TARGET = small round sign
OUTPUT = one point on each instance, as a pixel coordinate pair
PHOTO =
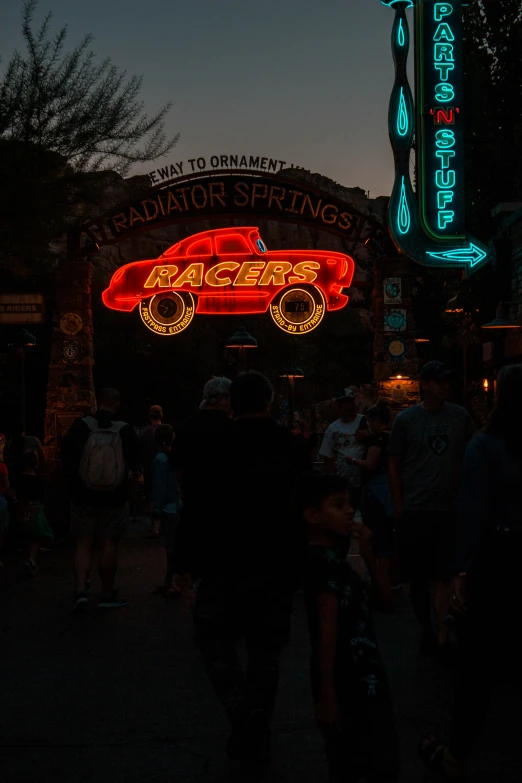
(396, 349)
(71, 352)
(298, 310)
(71, 324)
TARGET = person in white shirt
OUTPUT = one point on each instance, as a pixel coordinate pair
(341, 442)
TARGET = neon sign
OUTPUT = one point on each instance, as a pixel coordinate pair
(428, 223)
(230, 270)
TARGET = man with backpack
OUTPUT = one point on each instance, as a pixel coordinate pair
(97, 454)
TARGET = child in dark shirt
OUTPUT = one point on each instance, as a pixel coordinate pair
(29, 496)
(349, 684)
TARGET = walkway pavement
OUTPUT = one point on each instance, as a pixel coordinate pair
(122, 696)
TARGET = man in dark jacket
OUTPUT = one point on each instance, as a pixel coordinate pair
(96, 472)
(251, 553)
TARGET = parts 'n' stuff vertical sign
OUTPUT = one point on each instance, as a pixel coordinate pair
(440, 117)
(427, 222)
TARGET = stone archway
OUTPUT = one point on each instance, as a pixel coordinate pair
(124, 234)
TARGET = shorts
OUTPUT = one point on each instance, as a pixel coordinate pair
(426, 545)
(108, 523)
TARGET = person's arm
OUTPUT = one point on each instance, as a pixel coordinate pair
(371, 461)
(159, 486)
(381, 588)
(329, 465)
(396, 451)
(394, 474)
(472, 520)
(133, 457)
(327, 451)
(363, 431)
(471, 429)
(4, 479)
(327, 709)
(475, 505)
(72, 447)
(42, 459)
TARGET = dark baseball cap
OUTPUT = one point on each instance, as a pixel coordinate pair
(346, 394)
(435, 371)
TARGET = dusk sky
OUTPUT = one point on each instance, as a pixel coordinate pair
(305, 81)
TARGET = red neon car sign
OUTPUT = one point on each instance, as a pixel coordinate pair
(230, 270)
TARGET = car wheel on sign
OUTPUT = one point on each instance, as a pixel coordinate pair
(169, 313)
(298, 309)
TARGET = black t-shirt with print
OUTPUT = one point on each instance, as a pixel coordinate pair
(381, 441)
(359, 672)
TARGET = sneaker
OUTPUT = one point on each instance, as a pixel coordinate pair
(80, 602)
(30, 568)
(112, 602)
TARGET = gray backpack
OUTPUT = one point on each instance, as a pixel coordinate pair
(102, 467)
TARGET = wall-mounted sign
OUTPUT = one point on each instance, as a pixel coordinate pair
(234, 194)
(396, 349)
(395, 320)
(71, 352)
(392, 290)
(429, 224)
(22, 308)
(228, 195)
(71, 324)
(198, 165)
(230, 270)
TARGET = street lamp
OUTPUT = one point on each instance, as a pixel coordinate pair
(502, 320)
(241, 340)
(421, 337)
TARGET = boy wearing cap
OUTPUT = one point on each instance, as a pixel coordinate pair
(340, 445)
(426, 452)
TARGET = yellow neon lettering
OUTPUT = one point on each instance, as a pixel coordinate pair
(160, 276)
(212, 275)
(305, 272)
(249, 273)
(193, 275)
(275, 272)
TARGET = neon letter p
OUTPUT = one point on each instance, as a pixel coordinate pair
(442, 10)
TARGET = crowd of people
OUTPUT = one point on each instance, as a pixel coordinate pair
(247, 520)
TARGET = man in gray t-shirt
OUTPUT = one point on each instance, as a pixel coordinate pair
(426, 452)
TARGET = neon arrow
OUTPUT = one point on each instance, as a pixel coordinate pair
(471, 255)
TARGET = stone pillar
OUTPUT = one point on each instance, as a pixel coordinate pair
(401, 392)
(70, 389)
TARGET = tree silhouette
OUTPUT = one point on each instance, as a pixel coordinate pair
(64, 117)
(493, 83)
